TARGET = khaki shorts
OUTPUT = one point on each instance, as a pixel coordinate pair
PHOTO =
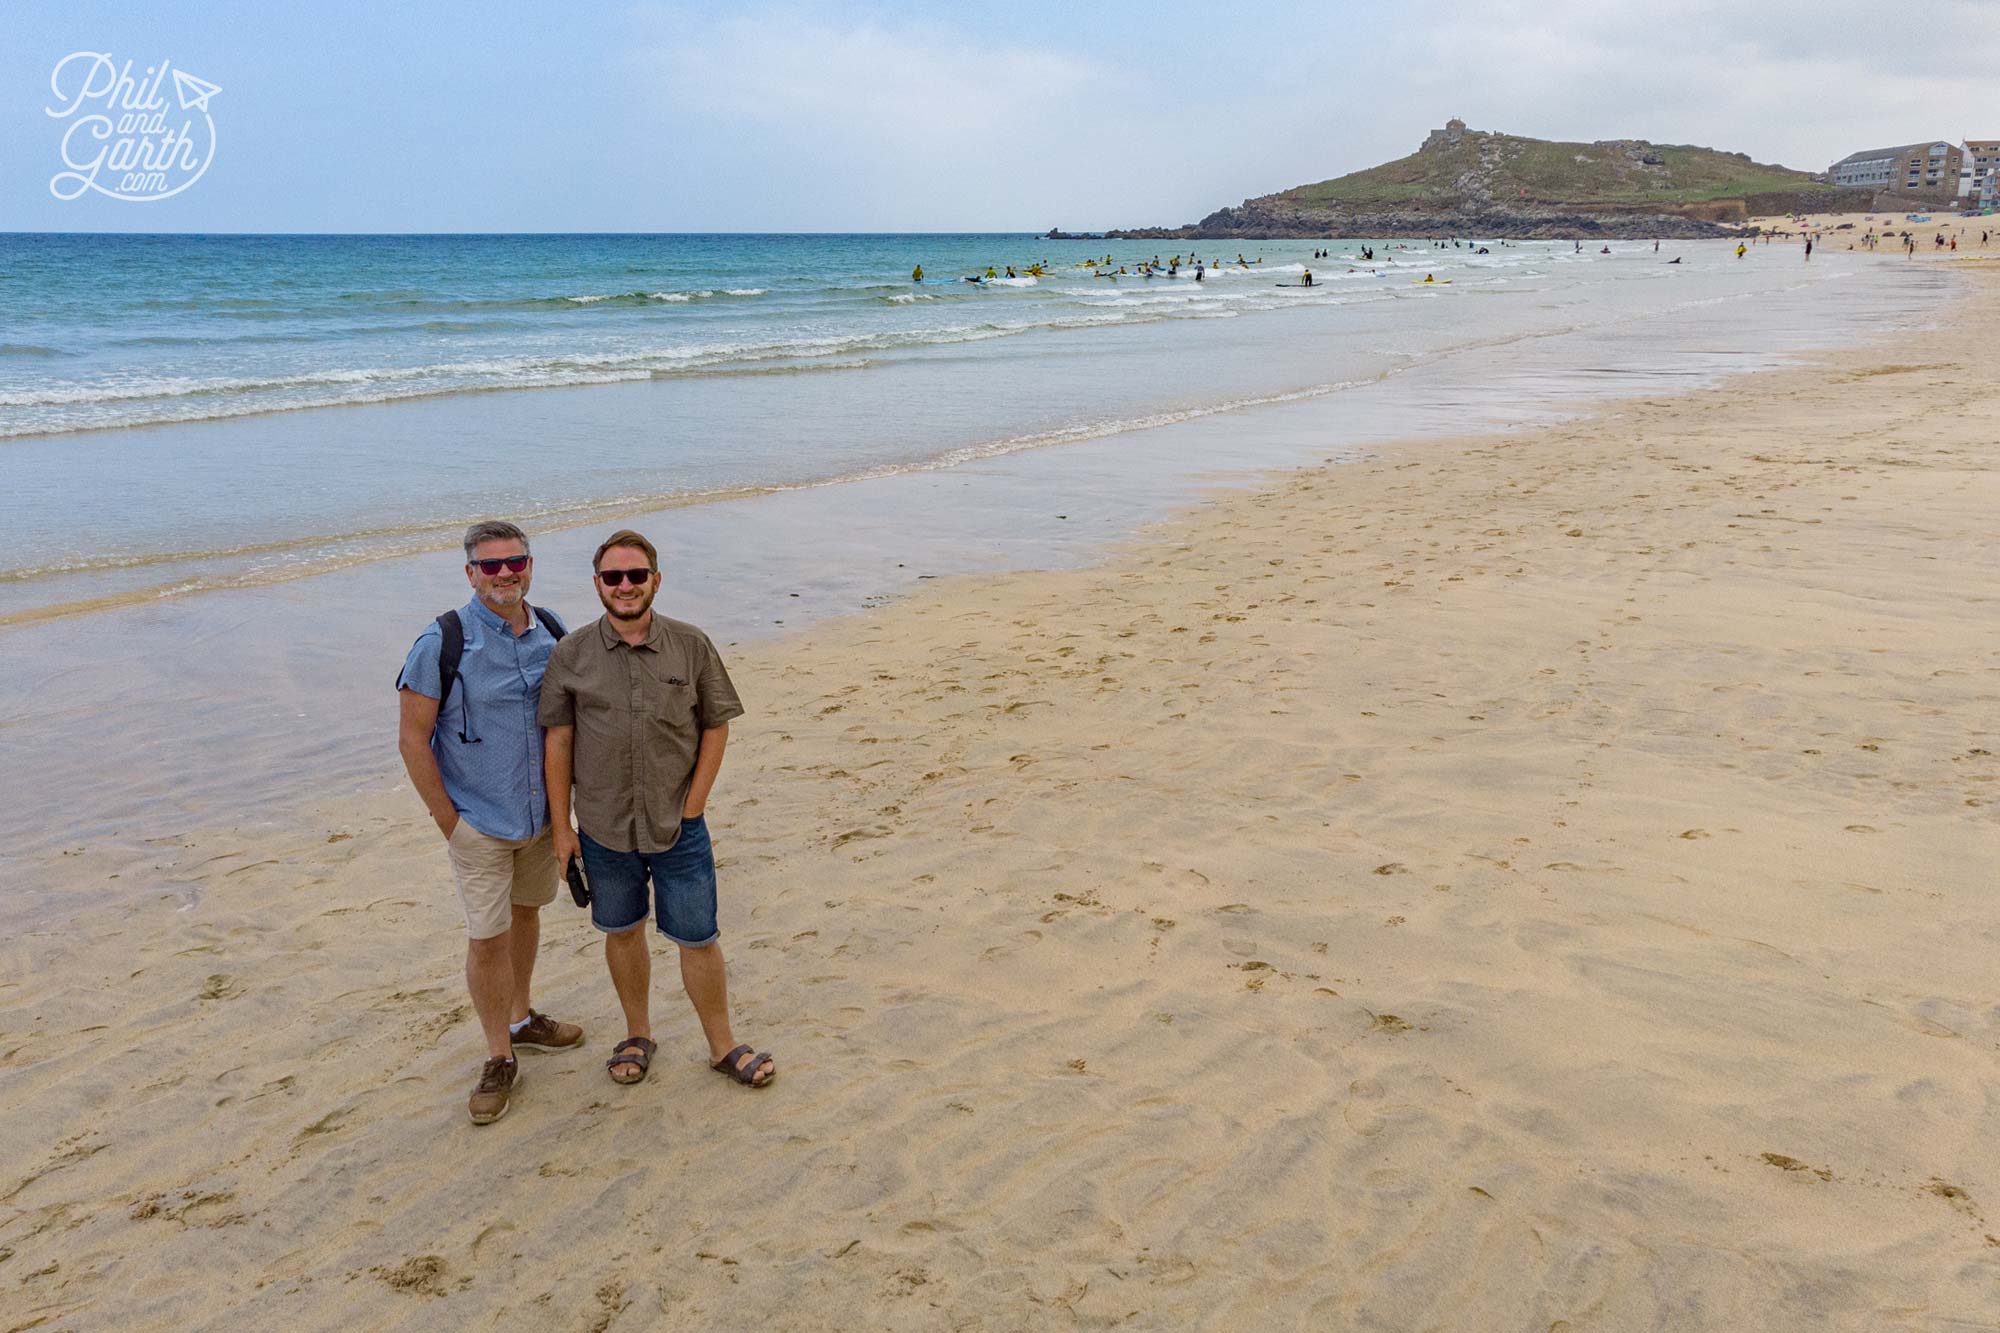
(495, 872)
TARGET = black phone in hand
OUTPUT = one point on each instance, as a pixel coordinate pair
(579, 887)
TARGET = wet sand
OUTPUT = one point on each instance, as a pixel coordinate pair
(1536, 881)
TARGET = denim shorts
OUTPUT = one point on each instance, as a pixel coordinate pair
(683, 879)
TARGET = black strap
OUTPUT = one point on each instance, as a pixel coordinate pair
(451, 651)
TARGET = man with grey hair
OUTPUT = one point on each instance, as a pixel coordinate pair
(470, 740)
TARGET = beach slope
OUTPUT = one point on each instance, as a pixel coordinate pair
(1530, 881)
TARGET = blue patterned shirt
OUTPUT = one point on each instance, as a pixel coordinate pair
(487, 741)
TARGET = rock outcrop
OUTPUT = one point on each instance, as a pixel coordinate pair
(1465, 182)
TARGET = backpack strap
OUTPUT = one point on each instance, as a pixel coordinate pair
(451, 651)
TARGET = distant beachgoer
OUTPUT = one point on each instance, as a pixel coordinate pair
(1308, 279)
(1010, 271)
(1675, 260)
(474, 753)
(1656, 247)
(1809, 245)
(1197, 271)
(990, 273)
(1430, 277)
(1741, 250)
(917, 273)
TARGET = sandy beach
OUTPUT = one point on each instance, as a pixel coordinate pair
(1978, 236)
(1538, 881)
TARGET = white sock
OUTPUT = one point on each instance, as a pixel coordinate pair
(515, 1028)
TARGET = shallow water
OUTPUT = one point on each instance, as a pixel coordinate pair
(244, 705)
(810, 360)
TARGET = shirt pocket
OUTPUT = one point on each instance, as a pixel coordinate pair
(671, 703)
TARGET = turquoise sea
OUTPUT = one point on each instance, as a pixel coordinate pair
(233, 469)
(165, 401)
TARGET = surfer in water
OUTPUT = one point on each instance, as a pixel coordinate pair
(917, 273)
(1307, 281)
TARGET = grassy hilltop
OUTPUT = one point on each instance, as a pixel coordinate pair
(1504, 167)
(1472, 182)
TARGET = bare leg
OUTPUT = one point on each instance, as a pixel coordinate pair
(489, 975)
(631, 964)
(706, 980)
(526, 934)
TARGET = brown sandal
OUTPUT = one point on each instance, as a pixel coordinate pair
(632, 1051)
(747, 1075)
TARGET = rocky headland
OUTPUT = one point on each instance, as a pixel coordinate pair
(1465, 182)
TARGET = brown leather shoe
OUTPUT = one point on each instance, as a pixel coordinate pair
(544, 1032)
(497, 1081)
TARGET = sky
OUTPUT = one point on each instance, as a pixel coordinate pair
(781, 116)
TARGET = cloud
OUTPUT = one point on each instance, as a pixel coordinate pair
(866, 124)
(794, 114)
(923, 89)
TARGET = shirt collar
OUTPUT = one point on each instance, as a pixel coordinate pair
(611, 639)
(486, 616)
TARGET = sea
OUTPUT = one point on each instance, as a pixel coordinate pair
(233, 469)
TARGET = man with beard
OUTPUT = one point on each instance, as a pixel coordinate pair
(637, 708)
(473, 748)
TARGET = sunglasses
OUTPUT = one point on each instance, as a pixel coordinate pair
(613, 577)
(513, 564)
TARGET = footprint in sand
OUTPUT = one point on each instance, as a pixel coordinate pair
(1361, 1111)
(1784, 1163)
(219, 986)
(423, 1275)
(1954, 1196)
(1000, 951)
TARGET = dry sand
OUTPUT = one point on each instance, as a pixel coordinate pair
(1532, 882)
(1846, 230)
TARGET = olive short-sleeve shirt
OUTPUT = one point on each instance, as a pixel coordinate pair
(639, 714)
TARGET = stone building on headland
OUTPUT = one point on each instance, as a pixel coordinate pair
(1450, 136)
(1927, 170)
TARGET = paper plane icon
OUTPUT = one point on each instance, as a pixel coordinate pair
(194, 93)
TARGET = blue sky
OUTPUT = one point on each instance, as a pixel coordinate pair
(904, 117)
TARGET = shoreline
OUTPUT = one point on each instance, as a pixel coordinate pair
(249, 501)
(1512, 878)
(291, 715)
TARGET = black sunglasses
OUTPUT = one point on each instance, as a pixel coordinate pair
(613, 577)
(514, 564)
